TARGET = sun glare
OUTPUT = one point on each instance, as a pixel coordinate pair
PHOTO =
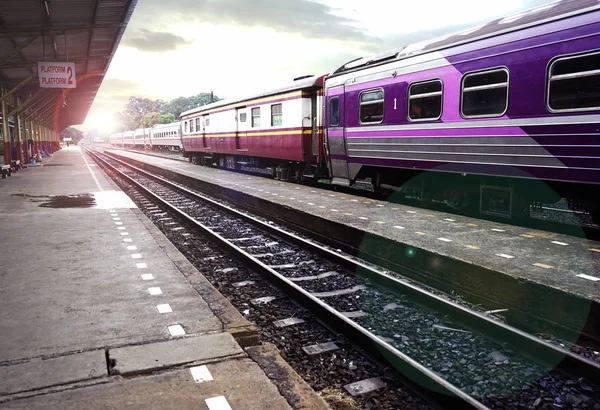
(104, 123)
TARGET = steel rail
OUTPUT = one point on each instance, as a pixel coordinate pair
(523, 343)
(442, 391)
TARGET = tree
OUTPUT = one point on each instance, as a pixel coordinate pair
(74, 133)
(126, 122)
(153, 118)
(138, 107)
(144, 112)
(181, 104)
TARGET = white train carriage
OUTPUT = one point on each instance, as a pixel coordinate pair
(128, 139)
(116, 139)
(141, 137)
(166, 136)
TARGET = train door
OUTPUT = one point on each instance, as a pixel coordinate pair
(205, 142)
(335, 142)
(240, 128)
(313, 115)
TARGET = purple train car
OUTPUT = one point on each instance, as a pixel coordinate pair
(493, 119)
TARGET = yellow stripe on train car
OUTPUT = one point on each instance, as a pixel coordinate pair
(255, 134)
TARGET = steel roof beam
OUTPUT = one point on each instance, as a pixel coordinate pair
(18, 49)
(28, 64)
(41, 94)
(54, 30)
(18, 86)
(89, 48)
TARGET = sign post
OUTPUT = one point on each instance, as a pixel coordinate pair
(56, 75)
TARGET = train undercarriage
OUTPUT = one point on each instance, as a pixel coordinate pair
(510, 198)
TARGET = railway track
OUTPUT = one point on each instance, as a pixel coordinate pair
(544, 218)
(455, 356)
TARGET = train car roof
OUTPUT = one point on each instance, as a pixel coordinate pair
(299, 84)
(171, 124)
(553, 11)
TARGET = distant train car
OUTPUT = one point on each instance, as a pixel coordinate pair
(141, 137)
(492, 119)
(279, 129)
(116, 139)
(166, 136)
(128, 139)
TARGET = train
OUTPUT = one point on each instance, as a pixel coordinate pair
(158, 137)
(491, 120)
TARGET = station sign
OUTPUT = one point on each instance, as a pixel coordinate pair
(56, 75)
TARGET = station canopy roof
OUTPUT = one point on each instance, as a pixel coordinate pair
(84, 32)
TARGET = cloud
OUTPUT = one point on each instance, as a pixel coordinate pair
(304, 17)
(155, 41)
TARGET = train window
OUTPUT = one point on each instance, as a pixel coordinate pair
(256, 117)
(206, 121)
(186, 127)
(276, 115)
(485, 93)
(197, 124)
(334, 112)
(425, 100)
(371, 106)
(574, 83)
(191, 125)
(242, 117)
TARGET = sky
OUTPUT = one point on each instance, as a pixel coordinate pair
(179, 48)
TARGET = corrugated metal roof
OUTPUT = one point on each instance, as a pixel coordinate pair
(86, 32)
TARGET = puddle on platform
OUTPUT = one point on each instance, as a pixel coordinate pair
(69, 201)
(97, 200)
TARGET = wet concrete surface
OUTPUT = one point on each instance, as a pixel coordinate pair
(74, 249)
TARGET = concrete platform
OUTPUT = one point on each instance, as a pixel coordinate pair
(535, 274)
(86, 279)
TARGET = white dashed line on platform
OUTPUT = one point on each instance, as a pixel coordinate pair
(136, 255)
(450, 220)
(124, 233)
(472, 247)
(380, 206)
(444, 239)
(141, 265)
(420, 233)
(166, 308)
(131, 248)
(321, 206)
(116, 219)
(201, 374)
(559, 243)
(588, 277)
(155, 291)
(147, 276)
(503, 255)
(120, 228)
(118, 223)
(348, 214)
(363, 218)
(398, 227)
(542, 265)
(334, 210)
(310, 203)
(379, 222)
(114, 214)
(176, 330)
(218, 403)
(497, 230)
(411, 212)
(127, 240)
